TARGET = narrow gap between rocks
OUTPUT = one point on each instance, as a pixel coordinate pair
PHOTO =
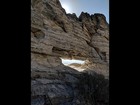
(75, 64)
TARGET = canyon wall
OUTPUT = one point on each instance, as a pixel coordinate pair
(55, 35)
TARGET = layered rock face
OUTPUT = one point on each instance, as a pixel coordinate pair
(55, 35)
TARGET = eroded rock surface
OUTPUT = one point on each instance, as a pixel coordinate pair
(55, 35)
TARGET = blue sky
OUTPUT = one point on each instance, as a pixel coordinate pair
(90, 6)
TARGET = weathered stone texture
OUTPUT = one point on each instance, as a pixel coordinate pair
(55, 35)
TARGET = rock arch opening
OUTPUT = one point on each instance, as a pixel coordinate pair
(73, 63)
